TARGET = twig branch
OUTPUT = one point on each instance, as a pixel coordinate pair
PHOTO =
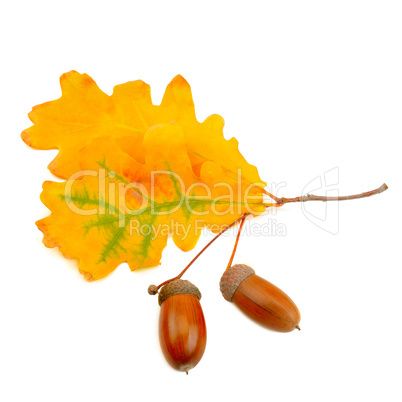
(153, 289)
(311, 197)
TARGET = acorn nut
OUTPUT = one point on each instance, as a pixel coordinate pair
(259, 299)
(182, 329)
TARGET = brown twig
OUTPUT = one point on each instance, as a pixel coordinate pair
(311, 197)
(279, 203)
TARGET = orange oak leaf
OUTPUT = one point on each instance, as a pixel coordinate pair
(118, 210)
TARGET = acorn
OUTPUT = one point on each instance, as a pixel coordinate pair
(259, 299)
(182, 330)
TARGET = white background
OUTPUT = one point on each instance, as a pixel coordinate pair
(306, 87)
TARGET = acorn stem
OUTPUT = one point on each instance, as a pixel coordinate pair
(195, 258)
(236, 243)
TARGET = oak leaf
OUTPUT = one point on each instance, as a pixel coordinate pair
(129, 188)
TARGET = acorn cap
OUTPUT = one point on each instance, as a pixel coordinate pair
(232, 278)
(178, 287)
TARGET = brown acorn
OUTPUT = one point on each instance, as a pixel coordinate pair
(182, 330)
(259, 299)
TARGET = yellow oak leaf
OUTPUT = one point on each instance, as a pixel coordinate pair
(136, 173)
(117, 209)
